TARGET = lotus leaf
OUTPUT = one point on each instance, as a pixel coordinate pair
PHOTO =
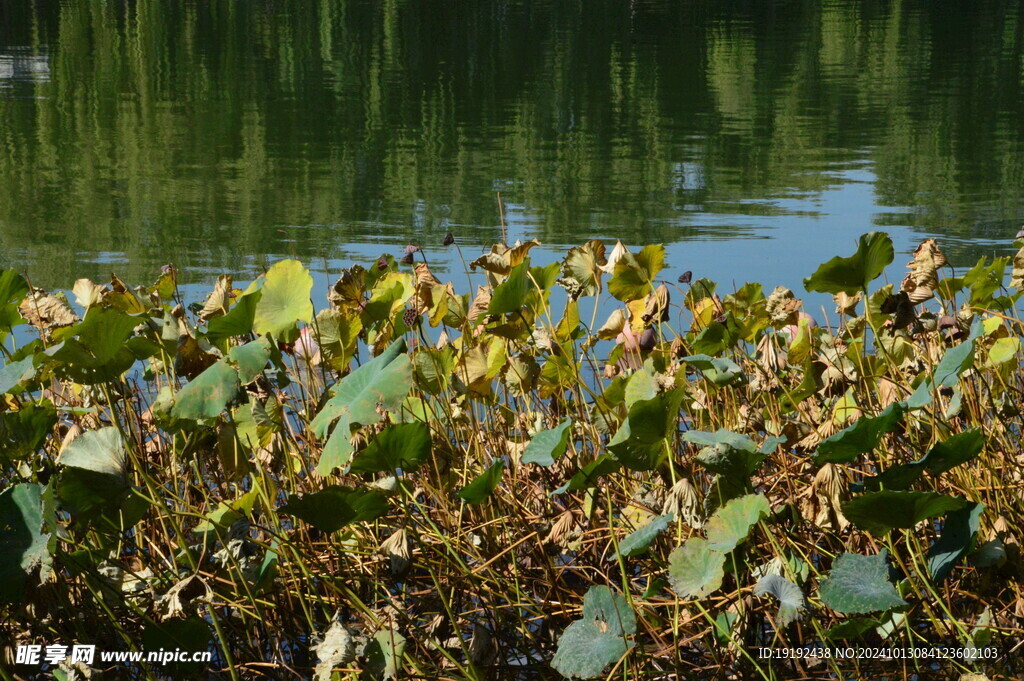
(880, 512)
(548, 445)
(284, 301)
(481, 487)
(24, 541)
(695, 570)
(599, 639)
(853, 274)
(860, 584)
(334, 507)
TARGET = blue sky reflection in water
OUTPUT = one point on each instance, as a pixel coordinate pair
(754, 141)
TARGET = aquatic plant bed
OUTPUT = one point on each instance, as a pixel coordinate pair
(594, 468)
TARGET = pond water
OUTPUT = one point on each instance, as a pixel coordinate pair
(755, 140)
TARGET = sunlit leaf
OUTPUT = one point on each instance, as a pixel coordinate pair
(638, 541)
(731, 524)
(641, 441)
(251, 358)
(510, 295)
(852, 274)
(14, 373)
(94, 478)
(598, 639)
(860, 584)
(581, 268)
(548, 445)
(208, 394)
(238, 321)
(695, 570)
(284, 301)
(385, 381)
(384, 655)
(634, 275)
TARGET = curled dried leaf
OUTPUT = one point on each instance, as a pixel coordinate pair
(684, 502)
(87, 293)
(399, 550)
(44, 311)
(184, 596)
(822, 501)
(847, 304)
(218, 299)
(783, 307)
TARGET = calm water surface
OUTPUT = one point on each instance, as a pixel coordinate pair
(754, 139)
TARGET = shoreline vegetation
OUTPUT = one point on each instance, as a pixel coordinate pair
(593, 468)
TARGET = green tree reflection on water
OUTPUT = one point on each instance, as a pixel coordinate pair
(141, 132)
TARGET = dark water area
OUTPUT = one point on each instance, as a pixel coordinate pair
(754, 139)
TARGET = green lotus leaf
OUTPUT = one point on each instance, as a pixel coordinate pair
(97, 349)
(384, 655)
(385, 381)
(15, 373)
(510, 295)
(548, 445)
(880, 512)
(641, 441)
(208, 394)
(957, 360)
(849, 275)
(734, 457)
(959, 530)
(13, 289)
(402, 447)
(284, 301)
(23, 431)
(589, 645)
(251, 358)
(731, 524)
(24, 543)
(719, 370)
(633, 276)
(589, 474)
(237, 322)
(861, 437)
(694, 569)
(94, 476)
(481, 487)
(954, 451)
(860, 584)
(334, 507)
(582, 268)
(640, 540)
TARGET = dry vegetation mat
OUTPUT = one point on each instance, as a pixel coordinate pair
(575, 469)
